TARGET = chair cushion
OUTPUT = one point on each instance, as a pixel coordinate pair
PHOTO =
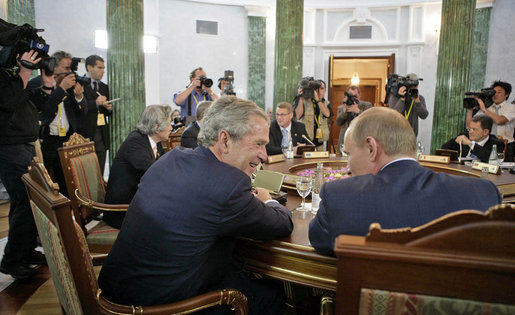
(57, 262)
(388, 302)
(102, 234)
(86, 175)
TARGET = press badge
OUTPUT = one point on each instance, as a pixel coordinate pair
(62, 131)
(101, 121)
(319, 133)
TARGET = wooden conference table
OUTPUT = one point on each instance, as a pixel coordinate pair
(293, 259)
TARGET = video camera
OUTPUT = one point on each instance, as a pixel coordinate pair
(229, 77)
(485, 95)
(205, 82)
(16, 40)
(395, 82)
(350, 99)
(74, 66)
(309, 85)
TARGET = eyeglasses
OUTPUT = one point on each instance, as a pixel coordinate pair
(473, 129)
(281, 115)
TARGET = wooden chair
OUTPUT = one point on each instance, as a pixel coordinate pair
(87, 188)
(505, 144)
(174, 139)
(71, 266)
(459, 263)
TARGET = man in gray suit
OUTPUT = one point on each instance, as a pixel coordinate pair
(347, 112)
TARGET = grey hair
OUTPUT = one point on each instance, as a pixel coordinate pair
(59, 55)
(231, 114)
(154, 118)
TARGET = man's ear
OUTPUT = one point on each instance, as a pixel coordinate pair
(373, 148)
(223, 140)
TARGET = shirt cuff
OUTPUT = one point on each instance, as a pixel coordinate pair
(271, 200)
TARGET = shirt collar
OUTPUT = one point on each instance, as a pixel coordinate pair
(153, 144)
(286, 128)
(398, 160)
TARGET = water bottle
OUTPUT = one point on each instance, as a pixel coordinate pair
(493, 156)
(420, 149)
(289, 154)
(317, 185)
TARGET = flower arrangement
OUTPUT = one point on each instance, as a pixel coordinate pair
(330, 174)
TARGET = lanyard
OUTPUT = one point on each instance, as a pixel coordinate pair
(406, 115)
(60, 115)
(196, 101)
(317, 118)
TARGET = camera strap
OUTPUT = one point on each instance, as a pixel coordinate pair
(406, 115)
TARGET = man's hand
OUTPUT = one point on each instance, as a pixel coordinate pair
(78, 90)
(262, 194)
(402, 91)
(24, 73)
(315, 96)
(68, 81)
(101, 100)
(196, 82)
(481, 104)
(463, 139)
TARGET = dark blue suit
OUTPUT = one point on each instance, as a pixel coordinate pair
(403, 194)
(178, 235)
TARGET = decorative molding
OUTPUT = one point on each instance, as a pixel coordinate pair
(254, 10)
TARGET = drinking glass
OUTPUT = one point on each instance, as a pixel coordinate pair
(500, 157)
(285, 149)
(342, 150)
(303, 188)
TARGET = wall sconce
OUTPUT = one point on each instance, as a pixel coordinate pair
(355, 79)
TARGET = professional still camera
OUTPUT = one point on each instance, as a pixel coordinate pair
(395, 82)
(229, 78)
(16, 40)
(351, 100)
(74, 66)
(309, 85)
(485, 95)
(205, 82)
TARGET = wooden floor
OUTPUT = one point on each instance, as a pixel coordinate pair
(37, 296)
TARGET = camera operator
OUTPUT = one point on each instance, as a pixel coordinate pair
(197, 91)
(502, 113)
(66, 111)
(312, 109)
(411, 106)
(351, 108)
(18, 134)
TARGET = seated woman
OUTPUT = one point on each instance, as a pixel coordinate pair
(136, 154)
(176, 120)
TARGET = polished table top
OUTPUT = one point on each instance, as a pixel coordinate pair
(293, 259)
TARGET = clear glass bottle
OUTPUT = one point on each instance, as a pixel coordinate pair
(317, 185)
(420, 149)
(290, 153)
(493, 156)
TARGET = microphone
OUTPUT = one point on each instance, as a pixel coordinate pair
(304, 136)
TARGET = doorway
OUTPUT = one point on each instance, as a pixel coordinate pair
(368, 73)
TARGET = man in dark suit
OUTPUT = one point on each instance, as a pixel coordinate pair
(283, 127)
(63, 116)
(478, 138)
(96, 126)
(189, 136)
(136, 154)
(178, 236)
(388, 185)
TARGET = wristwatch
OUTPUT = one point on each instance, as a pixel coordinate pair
(48, 88)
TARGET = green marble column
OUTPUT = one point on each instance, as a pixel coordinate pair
(453, 73)
(126, 67)
(480, 48)
(21, 11)
(288, 49)
(257, 60)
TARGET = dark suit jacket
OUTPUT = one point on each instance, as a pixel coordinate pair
(297, 130)
(482, 152)
(189, 136)
(132, 160)
(88, 129)
(179, 233)
(75, 112)
(403, 194)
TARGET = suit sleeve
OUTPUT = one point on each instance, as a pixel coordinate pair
(247, 216)
(320, 236)
(137, 155)
(302, 130)
(273, 147)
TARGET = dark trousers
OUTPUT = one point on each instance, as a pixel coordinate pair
(510, 152)
(51, 160)
(264, 296)
(100, 149)
(15, 160)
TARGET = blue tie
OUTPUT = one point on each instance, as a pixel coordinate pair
(286, 137)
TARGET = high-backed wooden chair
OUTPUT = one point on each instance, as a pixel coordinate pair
(505, 144)
(87, 188)
(461, 263)
(70, 262)
(174, 139)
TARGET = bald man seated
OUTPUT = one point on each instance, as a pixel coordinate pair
(388, 185)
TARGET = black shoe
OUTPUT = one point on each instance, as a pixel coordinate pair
(18, 271)
(36, 258)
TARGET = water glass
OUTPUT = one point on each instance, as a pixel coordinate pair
(284, 148)
(303, 188)
(500, 157)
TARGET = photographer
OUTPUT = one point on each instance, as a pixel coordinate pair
(66, 111)
(409, 102)
(18, 134)
(312, 109)
(351, 108)
(197, 91)
(502, 113)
